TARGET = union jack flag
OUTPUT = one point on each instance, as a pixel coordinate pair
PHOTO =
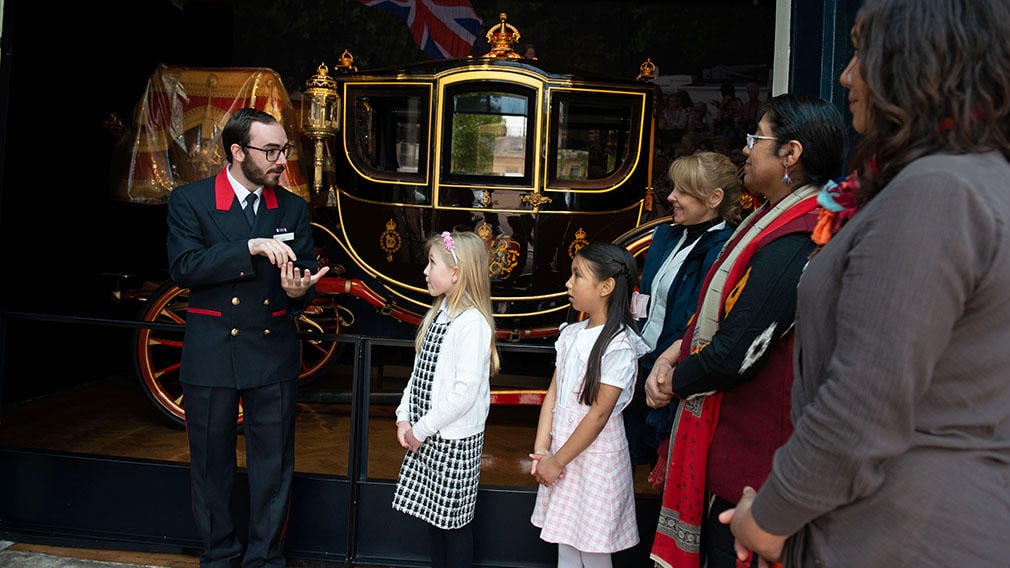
(444, 29)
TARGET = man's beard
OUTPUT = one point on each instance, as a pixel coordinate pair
(268, 177)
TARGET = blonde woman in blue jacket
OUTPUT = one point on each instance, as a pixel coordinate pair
(706, 207)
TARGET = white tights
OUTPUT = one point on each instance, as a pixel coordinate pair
(571, 557)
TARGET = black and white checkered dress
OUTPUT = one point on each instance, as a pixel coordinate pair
(438, 484)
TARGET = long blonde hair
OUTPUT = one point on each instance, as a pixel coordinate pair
(472, 289)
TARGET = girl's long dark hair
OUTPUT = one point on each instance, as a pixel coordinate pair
(607, 260)
(938, 80)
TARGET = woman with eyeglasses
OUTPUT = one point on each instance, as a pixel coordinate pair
(732, 370)
(901, 453)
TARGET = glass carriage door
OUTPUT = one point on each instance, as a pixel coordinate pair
(488, 144)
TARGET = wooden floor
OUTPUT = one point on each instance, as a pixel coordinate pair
(113, 417)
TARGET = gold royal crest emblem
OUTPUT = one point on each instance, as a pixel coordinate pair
(390, 240)
(579, 242)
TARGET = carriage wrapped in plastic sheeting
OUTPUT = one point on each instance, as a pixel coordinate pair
(537, 159)
(175, 136)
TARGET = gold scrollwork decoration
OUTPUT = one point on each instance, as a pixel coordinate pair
(577, 244)
(390, 240)
(535, 200)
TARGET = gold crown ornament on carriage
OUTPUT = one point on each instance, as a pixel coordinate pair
(503, 38)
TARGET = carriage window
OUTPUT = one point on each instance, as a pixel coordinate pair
(488, 134)
(593, 136)
(387, 132)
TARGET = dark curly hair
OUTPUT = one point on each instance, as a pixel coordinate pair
(937, 78)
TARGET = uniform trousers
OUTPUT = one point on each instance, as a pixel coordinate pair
(269, 429)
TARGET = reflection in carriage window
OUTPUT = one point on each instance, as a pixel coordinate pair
(489, 130)
(387, 132)
(593, 135)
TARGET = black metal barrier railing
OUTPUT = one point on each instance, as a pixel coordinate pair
(360, 395)
(363, 491)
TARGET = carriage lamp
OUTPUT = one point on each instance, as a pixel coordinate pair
(320, 117)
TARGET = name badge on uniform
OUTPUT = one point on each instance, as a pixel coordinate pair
(282, 234)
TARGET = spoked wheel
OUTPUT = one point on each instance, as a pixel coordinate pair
(322, 317)
(158, 352)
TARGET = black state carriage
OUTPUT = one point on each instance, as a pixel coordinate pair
(537, 159)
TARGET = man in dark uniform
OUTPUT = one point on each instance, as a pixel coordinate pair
(243, 247)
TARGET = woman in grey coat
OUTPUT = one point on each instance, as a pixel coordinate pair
(901, 402)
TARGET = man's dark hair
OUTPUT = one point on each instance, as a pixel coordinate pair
(236, 131)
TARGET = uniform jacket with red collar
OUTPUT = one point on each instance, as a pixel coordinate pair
(240, 325)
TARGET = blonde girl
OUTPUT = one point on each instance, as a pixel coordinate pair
(441, 416)
(586, 499)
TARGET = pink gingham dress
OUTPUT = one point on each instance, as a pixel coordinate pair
(592, 507)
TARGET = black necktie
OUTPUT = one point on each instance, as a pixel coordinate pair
(250, 209)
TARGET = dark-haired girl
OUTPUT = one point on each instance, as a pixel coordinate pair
(586, 499)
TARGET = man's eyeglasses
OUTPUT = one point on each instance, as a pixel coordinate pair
(751, 140)
(273, 154)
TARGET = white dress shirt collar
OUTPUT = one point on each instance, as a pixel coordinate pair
(240, 190)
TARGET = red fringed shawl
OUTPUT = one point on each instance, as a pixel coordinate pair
(677, 542)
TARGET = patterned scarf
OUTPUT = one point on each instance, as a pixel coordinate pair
(677, 542)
